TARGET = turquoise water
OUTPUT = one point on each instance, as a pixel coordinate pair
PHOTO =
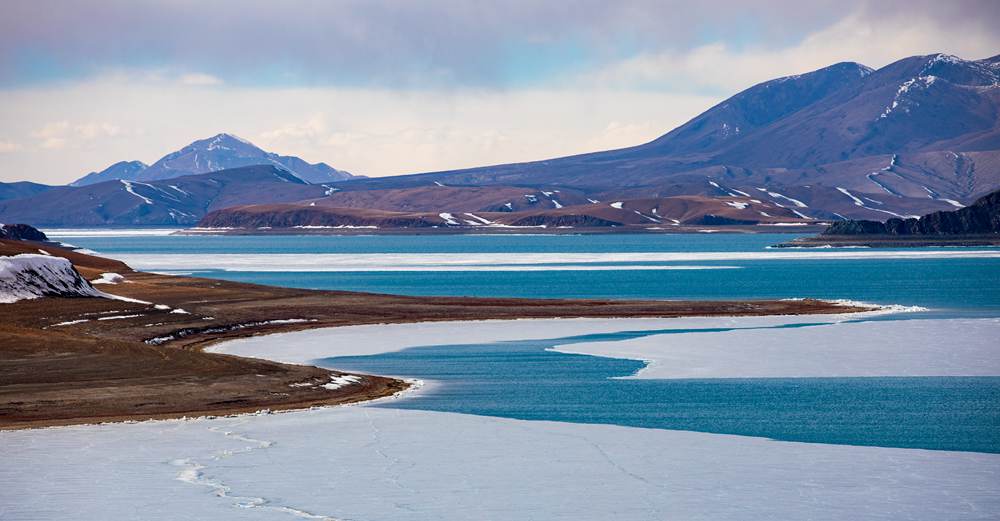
(430, 243)
(522, 380)
(972, 285)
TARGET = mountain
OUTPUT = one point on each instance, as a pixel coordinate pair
(119, 170)
(981, 217)
(846, 141)
(219, 152)
(183, 200)
(917, 136)
(21, 189)
(636, 215)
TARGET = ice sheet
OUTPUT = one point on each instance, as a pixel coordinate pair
(303, 347)
(364, 464)
(953, 347)
(504, 261)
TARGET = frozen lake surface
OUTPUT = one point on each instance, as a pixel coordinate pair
(385, 462)
(365, 463)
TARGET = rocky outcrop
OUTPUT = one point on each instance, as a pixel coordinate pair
(570, 220)
(299, 216)
(21, 232)
(982, 217)
(29, 276)
(718, 220)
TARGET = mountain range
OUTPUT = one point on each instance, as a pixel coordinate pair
(844, 142)
(219, 152)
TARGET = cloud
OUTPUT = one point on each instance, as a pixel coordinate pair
(199, 79)
(371, 132)
(720, 67)
(312, 129)
(9, 146)
(380, 87)
(431, 44)
(59, 134)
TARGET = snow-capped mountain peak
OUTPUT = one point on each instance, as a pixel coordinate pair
(219, 152)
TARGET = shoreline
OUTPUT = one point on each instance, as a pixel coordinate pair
(520, 230)
(65, 364)
(893, 241)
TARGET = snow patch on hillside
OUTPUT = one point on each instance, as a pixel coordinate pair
(130, 188)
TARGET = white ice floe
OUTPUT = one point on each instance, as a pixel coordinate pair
(327, 262)
(879, 348)
(303, 347)
(108, 278)
(380, 463)
(75, 232)
(338, 227)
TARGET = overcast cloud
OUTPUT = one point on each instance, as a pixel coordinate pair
(384, 88)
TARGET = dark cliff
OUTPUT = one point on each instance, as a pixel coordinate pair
(21, 232)
(982, 217)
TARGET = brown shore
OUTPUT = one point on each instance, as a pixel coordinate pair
(88, 360)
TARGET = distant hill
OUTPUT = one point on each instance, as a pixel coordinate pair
(219, 152)
(846, 141)
(534, 210)
(21, 189)
(180, 201)
(120, 170)
(981, 217)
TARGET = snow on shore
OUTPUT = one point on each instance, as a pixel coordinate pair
(30, 276)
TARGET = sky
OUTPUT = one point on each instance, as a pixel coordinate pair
(393, 87)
